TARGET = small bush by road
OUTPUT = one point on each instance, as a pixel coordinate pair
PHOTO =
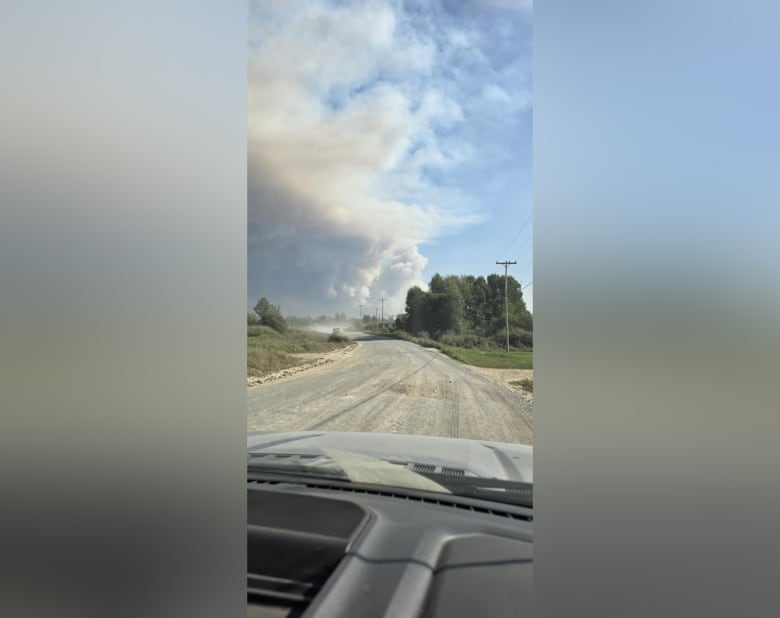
(526, 384)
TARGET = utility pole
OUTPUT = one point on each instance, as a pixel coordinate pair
(376, 314)
(506, 299)
(361, 313)
(383, 310)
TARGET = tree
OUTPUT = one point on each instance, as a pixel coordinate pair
(520, 318)
(456, 305)
(437, 285)
(270, 315)
(476, 302)
(439, 315)
(469, 305)
(415, 300)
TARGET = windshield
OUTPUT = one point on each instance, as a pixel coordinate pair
(390, 291)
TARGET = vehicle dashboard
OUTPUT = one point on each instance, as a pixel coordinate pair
(329, 548)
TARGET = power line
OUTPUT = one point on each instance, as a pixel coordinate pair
(530, 283)
(520, 231)
(527, 240)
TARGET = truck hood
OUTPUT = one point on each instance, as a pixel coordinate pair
(498, 460)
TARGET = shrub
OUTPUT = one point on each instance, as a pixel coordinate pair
(518, 338)
(468, 340)
(263, 331)
(526, 384)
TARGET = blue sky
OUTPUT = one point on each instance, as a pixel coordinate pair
(387, 141)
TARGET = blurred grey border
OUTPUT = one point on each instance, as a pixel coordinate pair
(123, 301)
(122, 264)
(656, 310)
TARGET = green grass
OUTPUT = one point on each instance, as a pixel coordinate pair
(489, 356)
(268, 350)
(494, 357)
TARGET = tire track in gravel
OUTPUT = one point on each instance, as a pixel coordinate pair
(393, 386)
(320, 422)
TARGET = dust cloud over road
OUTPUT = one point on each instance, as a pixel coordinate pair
(392, 386)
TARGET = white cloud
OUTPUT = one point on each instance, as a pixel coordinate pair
(345, 110)
(513, 5)
(496, 94)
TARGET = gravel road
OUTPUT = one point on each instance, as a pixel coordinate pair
(392, 386)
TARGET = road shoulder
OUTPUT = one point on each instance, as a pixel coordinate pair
(310, 361)
(506, 377)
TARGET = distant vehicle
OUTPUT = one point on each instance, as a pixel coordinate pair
(337, 331)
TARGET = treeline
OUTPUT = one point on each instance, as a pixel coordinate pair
(336, 318)
(270, 315)
(467, 310)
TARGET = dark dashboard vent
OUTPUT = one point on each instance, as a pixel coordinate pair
(498, 511)
(453, 471)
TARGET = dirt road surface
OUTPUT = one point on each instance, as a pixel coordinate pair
(392, 386)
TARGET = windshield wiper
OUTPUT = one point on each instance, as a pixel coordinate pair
(320, 466)
(512, 492)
